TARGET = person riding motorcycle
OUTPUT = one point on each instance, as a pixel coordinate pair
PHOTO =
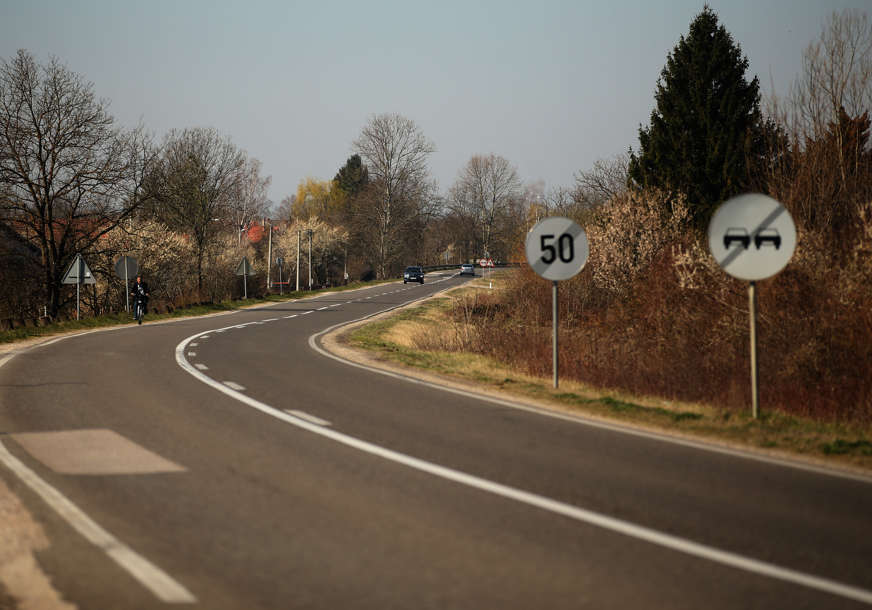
(139, 292)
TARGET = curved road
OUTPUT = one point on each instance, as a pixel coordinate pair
(222, 462)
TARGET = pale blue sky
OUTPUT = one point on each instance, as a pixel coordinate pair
(552, 86)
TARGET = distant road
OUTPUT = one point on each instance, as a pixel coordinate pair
(222, 462)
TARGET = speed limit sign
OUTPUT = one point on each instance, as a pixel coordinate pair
(557, 248)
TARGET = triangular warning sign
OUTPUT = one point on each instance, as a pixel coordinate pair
(79, 272)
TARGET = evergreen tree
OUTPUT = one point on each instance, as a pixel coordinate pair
(352, 176)
(704, 128)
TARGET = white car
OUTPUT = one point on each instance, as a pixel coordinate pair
(467, 269)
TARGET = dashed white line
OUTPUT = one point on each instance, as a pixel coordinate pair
(619, 526)
(202, 367)
(193, 344)
(321, 308)
(192, 354)
(307, 312)
(289, 317)
(309, 418)
(270, 319)
(234, 386)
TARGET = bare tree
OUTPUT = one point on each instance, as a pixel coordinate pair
(487, 188)
(821, 157)
(193, 185)
(836, 73)
(69, 174)
(605, 181)
(252, 198)
(399, 195)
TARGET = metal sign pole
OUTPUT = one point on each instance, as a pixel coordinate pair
(245, 281)
(126, 287)
(554, 319)
(755, 388)
(80, 273)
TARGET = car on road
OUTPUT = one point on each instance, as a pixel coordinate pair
(467, 269)
(413, 274)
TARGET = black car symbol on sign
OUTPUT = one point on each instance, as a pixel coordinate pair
(737, 234)
(767, 235)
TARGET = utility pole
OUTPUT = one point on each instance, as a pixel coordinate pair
(309, 232)
(269, 257)
(298, 260)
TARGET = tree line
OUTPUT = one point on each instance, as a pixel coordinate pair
(188, 208)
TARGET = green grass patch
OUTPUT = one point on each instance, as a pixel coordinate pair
(843, 447)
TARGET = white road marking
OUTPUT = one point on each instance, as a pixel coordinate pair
(289, 317)
(192, 354)
(309, 418)
(202, 367)
(270, 319)
(193, 344)
(336, 305)
(322, 308)
(307, 312)
(583, 515)
(204, 336)
(149, 575)
(234, 386)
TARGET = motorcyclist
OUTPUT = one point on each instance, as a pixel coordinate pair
(139, 292)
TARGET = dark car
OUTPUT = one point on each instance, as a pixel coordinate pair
(467, 269)
(737, 234)
(770, 236)
(413, 274)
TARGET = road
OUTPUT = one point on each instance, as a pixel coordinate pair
(225, 462)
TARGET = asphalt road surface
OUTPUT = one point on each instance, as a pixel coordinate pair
(226, 462)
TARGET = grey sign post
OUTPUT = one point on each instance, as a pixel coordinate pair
(279, 262)
(126, 268)
(78, 274)
(752, 237)
(244, 269)
(557, 249)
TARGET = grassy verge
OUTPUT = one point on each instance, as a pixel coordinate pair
(115, 319)
(411, 337)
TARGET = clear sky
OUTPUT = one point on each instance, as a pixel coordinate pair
(550, 85)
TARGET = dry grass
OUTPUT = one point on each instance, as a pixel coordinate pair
(428, 337)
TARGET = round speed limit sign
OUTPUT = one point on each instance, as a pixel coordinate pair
(557, 248)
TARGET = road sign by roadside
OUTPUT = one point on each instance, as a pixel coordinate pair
(752, 237)
(126, 267)
(244, 267)
(490, 262)
(482, 262)
(79, 272)
(557, 248)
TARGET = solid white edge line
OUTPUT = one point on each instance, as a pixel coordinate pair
(309, 418)
(619, 526)
(580, 419)
(149, 575)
